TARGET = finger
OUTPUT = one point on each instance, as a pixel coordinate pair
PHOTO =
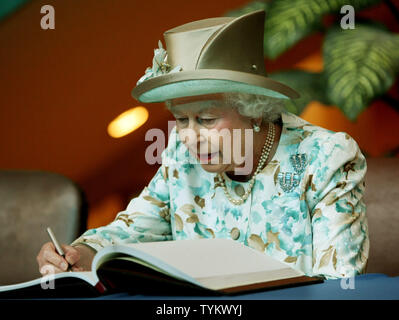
(77, 269)
(51, 257)
(49, 269)
(72, 255)
(41, 256)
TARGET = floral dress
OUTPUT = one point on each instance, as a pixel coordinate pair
(306, 207)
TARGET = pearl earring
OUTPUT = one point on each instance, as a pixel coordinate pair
(256, 128)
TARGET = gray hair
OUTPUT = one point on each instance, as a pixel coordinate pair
(256, 106)
(251, 105)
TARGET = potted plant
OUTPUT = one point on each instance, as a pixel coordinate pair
(360, 65)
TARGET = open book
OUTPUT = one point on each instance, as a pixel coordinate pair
(206, 266)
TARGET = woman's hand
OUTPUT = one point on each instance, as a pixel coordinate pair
(78, 257)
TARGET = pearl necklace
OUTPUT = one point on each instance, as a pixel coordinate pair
(265, 154)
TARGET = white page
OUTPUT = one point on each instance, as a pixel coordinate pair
(86, 276)
(207, 258)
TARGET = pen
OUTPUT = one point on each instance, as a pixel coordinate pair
(57, 246)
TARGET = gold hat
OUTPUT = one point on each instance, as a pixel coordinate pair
(213, 55)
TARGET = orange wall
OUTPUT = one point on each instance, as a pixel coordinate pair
(60, 88)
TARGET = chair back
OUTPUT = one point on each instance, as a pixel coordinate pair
(382, 201)
(31, 201)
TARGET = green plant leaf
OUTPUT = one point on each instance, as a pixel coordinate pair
(9, 6)
(289, 21)
(359, 65)
(307, 84)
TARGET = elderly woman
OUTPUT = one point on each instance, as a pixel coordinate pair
(237, 165)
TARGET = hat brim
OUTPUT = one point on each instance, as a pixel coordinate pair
(208, 81)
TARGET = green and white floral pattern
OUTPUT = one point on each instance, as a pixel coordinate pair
(318, 227)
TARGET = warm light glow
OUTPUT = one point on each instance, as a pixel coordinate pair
(127, 122)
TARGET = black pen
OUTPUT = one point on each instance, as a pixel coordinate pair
(57, 246)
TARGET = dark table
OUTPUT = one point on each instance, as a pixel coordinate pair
(280, 303)
(362, 287)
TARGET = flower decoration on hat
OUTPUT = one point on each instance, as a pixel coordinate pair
(159, 65)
